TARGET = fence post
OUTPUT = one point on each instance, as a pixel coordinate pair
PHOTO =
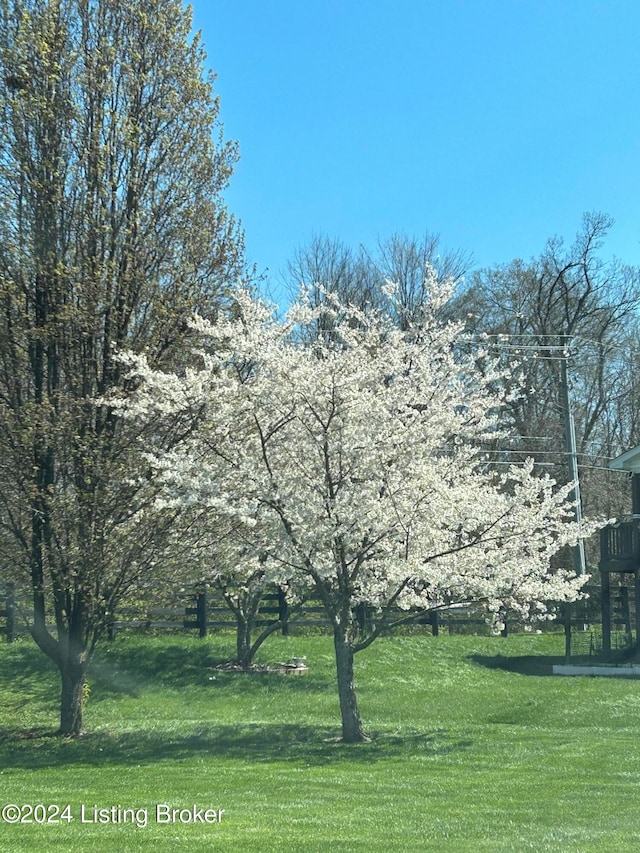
(606, 614)
(624, 611)
(636, 606)
(435, 624)
(10, 612)
(201, 616)
(505, 626)
(283, 612)
(565, 611)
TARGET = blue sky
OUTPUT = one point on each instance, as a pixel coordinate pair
(495, 123)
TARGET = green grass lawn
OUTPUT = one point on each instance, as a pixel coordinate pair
(475, 747)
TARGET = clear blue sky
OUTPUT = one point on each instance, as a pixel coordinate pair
(495, 123)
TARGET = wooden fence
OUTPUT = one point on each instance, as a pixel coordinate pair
(203, 612)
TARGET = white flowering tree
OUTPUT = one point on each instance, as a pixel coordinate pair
(355, 463)
(218, 553)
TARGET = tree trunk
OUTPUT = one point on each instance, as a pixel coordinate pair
(244, 652)
(72, 662)
(73, 674)
(351, 724)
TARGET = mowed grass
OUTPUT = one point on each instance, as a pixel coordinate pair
(474, 747)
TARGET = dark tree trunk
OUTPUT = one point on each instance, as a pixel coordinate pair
(351, 724)
(244, 652)
(70, 655)
(73, 674)
(72, 665)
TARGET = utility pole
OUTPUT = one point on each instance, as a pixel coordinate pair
(579, 562)
(578, 549)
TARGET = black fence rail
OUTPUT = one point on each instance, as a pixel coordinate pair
(209, 612)
(181, 609)
(204, 612)
(275, 608)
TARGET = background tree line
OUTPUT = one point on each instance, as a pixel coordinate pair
(568, 304)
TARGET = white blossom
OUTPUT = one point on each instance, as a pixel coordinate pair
(362, 456)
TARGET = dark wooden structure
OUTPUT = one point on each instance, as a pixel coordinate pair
(620, 554)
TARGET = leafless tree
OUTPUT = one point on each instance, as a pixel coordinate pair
(568, 304)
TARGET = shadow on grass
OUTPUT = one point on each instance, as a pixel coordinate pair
(539, 665)
(125, 669)
(130, 667)
(28, 674)
(269, 743)
(181, 666)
